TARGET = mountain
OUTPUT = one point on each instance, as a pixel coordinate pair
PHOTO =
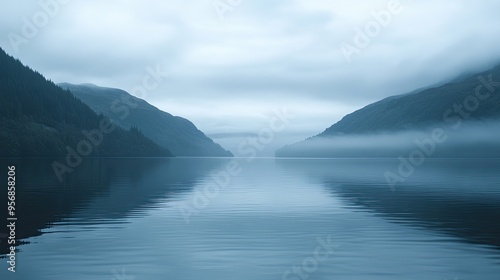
(178, 134)
(467, 101)
(39, 119)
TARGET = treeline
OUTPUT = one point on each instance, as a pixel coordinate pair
(38, 118)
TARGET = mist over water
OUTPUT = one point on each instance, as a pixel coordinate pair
(274, 220)
(471, 140)
(414, 195)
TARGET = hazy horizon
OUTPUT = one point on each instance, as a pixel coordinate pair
(237, 139)
(229, 67)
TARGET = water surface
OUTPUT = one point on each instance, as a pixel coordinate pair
(126, 219)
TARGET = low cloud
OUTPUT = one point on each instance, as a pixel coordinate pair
(272, 53)
(472, 140)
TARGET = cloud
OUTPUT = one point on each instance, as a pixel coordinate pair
(477, 139)
(262, 55)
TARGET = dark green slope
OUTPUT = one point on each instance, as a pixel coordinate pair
(417, 111)
(38, 118)
(178, 134)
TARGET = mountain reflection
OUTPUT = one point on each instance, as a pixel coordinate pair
(98, 189)
(457, 197)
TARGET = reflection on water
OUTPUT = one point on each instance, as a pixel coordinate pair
(119, 218)
(459, 197)
(99, 189)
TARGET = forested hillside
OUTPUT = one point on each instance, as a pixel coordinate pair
(38, 118)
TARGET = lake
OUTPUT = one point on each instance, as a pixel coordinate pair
(213, 219)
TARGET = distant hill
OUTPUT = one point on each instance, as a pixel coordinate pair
(178, 134)
(39, 119)
(415, 111)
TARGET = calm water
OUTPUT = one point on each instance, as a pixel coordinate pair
(275, 219)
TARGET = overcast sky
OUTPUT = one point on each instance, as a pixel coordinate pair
(231, 62)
